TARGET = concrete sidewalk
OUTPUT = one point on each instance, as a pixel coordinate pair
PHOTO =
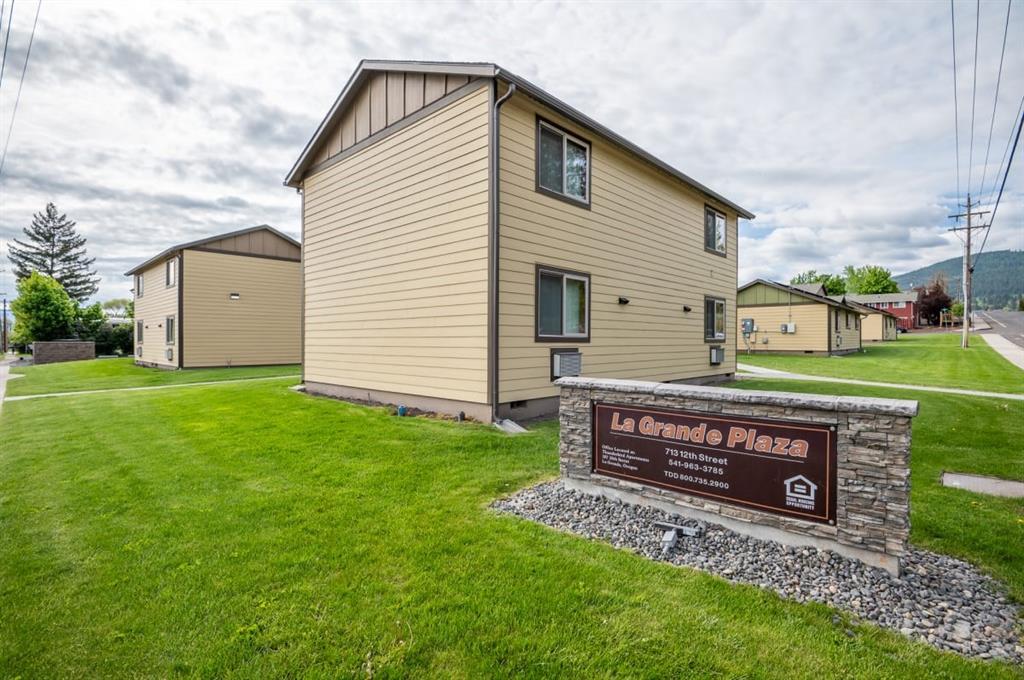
(748, 371)
(1011, 352)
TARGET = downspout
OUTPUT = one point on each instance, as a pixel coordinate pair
(494, 244)
(301, 191)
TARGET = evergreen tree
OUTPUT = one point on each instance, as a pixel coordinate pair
(56, 249)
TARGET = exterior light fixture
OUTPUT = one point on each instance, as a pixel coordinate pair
(687, 309)
(234, 296)
(623, 301)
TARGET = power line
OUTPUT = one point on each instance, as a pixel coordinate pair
(991, 125)
(1006, 149)
(1020, 123)
(974, 93)
(24, 67)
(956, 105)
(7, 39)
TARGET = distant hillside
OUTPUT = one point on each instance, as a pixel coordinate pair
(998, 277)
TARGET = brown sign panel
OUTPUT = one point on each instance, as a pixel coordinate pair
(777, 466)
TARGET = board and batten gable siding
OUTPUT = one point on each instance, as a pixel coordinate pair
(811, 319)
(158, 302)
(642, 238)
(259, 242)
(261, 327)
(385, 99)
(395, 259)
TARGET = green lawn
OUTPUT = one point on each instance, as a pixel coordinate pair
(978, 435)
(922, 359)
(251, 531)
(98, 374)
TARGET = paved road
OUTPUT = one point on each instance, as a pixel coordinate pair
(1010, 325)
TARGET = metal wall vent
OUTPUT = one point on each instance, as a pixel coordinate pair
(717, 355)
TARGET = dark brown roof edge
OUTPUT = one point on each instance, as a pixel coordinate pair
(209, 239)
(493, 71)
(796, 291)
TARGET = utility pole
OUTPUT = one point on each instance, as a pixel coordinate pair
(3, 328)
(968, 270)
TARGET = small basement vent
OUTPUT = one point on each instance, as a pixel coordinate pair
(566, 364)
(717, 355)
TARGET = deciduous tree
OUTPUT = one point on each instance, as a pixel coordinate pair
(42, 310)
(869, 280)
(834, 284)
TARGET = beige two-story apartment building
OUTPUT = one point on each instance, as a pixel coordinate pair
(469, 238)
(226, 300)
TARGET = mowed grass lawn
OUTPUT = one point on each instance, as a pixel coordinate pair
(99, 374)
(247, 530)
(934, 359)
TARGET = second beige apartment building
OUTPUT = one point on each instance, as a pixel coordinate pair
(469, 238)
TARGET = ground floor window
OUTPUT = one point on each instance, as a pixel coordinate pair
(714, 318)
(138, 332)
(169, 330)
(563, 305)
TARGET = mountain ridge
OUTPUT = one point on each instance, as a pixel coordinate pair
(998, 278)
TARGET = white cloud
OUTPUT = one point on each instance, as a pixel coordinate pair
(156, 124)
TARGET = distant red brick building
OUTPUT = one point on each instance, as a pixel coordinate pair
(904, 306)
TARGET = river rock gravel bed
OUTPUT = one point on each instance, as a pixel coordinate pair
(939, 600)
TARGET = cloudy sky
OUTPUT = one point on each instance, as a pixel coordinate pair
(153, 124)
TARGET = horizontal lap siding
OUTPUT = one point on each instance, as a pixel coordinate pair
(158, 302)
(261, 327)
(642, 239)
(874, 328)
(396, 260)
(850, 336)
(811, 327)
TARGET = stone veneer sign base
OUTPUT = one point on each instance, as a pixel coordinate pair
(802, 470)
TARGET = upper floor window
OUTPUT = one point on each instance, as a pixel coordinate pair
(563, 163)
(171, 273)
(563, 305)
(714, 231)
(714, 319)
(139, 281)
(899, 305)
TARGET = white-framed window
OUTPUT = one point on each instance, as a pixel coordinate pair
(169, 330)
(714, 231)
(171, 272)
(714, 319)
(899, 305)
(138, 331)
(563, 305)
(563, 163)
(139, 283)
